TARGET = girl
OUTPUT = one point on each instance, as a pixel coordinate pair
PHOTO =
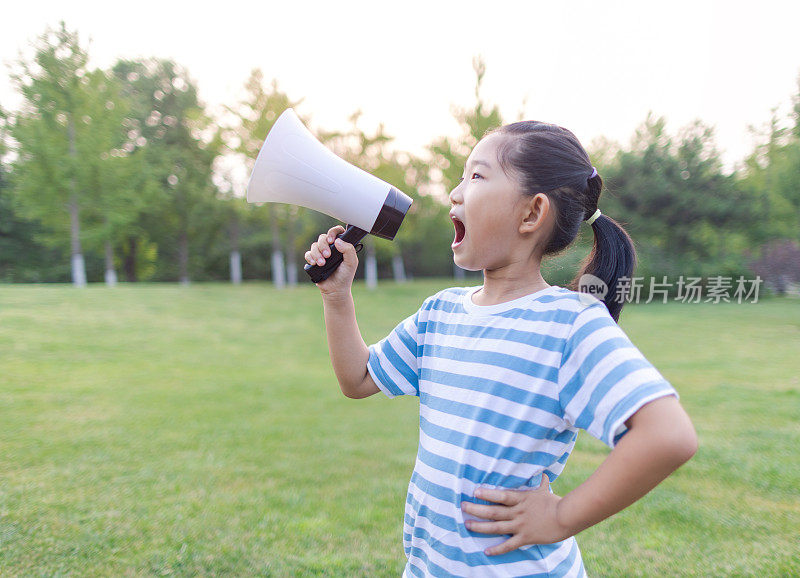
(507, 372)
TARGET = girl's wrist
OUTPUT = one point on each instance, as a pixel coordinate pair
(564, 518)
(336, 297)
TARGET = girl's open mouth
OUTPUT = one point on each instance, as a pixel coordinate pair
(461, 231)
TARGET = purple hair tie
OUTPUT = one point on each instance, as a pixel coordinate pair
(594, 173)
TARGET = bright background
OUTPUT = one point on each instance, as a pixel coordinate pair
(595, 67)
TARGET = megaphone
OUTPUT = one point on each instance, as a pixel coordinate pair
(294, 167)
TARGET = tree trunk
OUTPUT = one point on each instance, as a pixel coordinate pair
(236, 268)
(183, 257)
(398, 268)
(78, 267)
(371, 265)
(111, 273)
(291, 257)
(236, 257)
(278, 271)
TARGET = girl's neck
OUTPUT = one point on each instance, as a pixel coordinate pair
(510, 282)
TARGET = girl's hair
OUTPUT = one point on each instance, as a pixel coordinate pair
(548, 159)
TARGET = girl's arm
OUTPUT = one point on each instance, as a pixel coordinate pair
(660, 438)
(349, 353)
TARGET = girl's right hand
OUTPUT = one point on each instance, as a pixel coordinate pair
(342, 278)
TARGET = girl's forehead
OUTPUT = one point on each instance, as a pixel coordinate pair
(486, 149)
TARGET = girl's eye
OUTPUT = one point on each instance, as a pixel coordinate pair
(474, 176)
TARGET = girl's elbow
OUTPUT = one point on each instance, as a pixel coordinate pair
(350, 392)
(360, 390)
(683, 445)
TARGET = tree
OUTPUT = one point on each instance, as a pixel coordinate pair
(233, 213)
(253, 117)
(47, 130)
(107, 168)
(771, 175)
(685, 215)
(22, 256)
(172, 145)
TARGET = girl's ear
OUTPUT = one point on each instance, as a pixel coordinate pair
(534, 213)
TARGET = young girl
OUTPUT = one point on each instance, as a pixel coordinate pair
(508, 372)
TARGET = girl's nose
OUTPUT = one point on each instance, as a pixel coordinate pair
(455, 195)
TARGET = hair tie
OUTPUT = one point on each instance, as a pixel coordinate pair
(593, 218)
(593, 175)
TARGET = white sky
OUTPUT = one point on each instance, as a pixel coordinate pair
(595, 67)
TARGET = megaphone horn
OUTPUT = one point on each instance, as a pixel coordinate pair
(294, 167)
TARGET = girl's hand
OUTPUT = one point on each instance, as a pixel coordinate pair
(530, 516)
(342, 278)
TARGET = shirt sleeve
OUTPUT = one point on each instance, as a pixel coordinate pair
(604, 379)
(393, 361)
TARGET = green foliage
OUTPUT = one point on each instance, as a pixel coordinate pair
(685, 216)
(46, 172)
(107, 169)
(22, 258)
(172, 152)
(771, 175)
(124, 158)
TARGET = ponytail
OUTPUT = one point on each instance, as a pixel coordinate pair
(612, 258)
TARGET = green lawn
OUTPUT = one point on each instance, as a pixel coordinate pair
(167, 430)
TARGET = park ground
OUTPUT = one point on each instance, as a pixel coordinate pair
(168, 430)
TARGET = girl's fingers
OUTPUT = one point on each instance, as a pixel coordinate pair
(348, 253)
(321, 250)
(545, 483)
(487, 512)
(507, 497)
(316, 255)
(324, 245)
(511, 544)
(334, 232)
(490, 527)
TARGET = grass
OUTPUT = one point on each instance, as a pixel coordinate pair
(167, 430)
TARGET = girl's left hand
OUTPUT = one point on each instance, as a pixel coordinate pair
(530, 516)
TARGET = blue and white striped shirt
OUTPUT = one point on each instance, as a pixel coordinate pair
(503, 390)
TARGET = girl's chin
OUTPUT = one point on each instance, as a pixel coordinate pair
(465, 265)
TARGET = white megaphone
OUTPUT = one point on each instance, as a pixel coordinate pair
(294, 167)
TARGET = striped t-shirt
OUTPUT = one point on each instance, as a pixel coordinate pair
(503, 390)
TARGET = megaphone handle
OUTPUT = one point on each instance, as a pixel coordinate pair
(352, 235)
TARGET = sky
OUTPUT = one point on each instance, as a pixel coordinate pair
(596, 68)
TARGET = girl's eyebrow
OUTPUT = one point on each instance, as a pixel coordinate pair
(480, 162)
